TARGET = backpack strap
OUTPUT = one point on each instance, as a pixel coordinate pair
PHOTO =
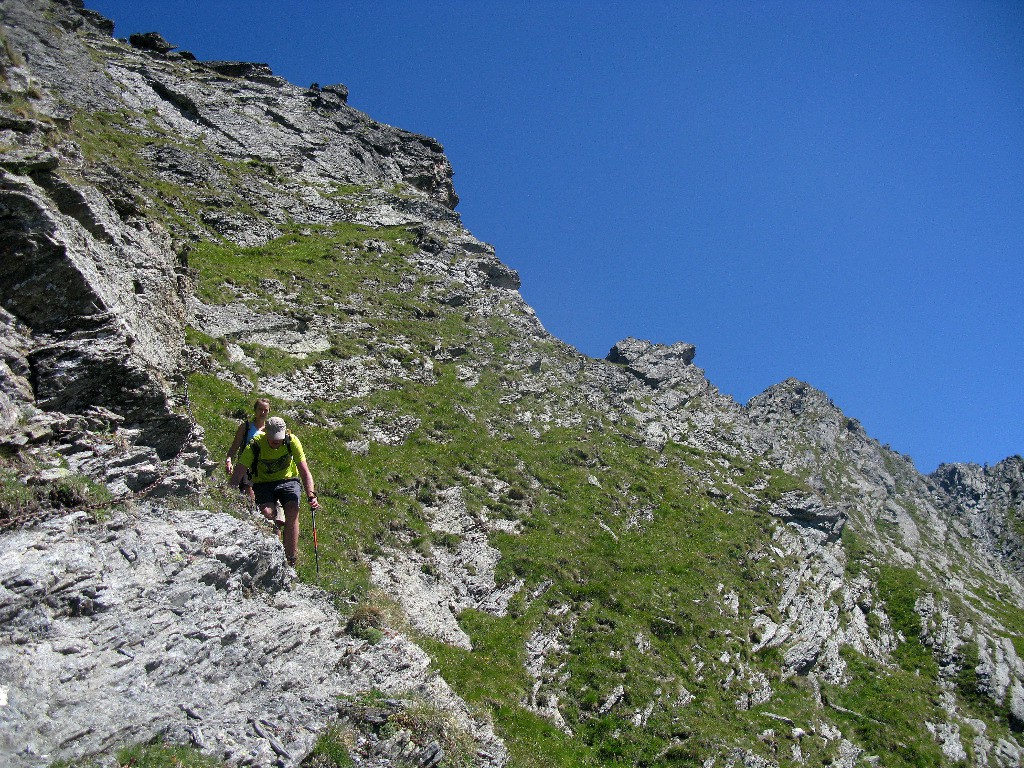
(254, 444)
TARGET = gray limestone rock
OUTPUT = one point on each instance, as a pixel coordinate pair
(653, 363)
(808, 509)
(456, 574)
(181, 623)
(991, 504)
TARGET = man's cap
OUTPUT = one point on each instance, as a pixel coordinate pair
(275, 428)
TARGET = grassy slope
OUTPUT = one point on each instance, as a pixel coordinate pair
(658, 582)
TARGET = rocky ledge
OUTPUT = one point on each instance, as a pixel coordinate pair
(190, 625)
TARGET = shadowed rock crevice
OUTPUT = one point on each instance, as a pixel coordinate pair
(40, 285)
(182, 102)
(72, 202)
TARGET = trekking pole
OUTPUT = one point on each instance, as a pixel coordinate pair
(316, 549)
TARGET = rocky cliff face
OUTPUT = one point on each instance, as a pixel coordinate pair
(987, 503)
(607, 557)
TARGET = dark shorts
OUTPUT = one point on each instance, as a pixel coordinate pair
(278, 490)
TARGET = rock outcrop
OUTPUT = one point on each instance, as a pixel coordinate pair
(182, 624)
(989, 503)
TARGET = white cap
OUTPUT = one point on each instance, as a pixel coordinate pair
(275, 428)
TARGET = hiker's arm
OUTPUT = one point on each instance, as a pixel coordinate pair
(238, 475)
(307, 483)
(235, 445)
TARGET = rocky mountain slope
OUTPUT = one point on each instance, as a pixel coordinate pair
(526, 556)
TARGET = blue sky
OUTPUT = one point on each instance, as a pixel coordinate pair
(827, 190)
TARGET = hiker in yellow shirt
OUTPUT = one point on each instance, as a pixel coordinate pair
(275, 462)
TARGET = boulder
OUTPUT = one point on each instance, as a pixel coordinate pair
(150, 41)
(653, 363)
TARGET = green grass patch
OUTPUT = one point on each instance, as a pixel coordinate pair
(156, 754)
(21, 499)
(342, 271)
(333, 748)
(858, 553)
(781, 483)
(162, 755)
(322, 264)
(900, 588)
(886, 710)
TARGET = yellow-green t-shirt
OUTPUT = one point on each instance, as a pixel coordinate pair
(274, 464)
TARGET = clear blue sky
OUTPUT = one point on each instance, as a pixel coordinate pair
(827, 190)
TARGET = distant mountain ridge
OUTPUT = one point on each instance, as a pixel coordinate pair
(528, 556)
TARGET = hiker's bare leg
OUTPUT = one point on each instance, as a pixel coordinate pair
(279, 521)
(273, 515)
(291, 530)
(269, 511)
